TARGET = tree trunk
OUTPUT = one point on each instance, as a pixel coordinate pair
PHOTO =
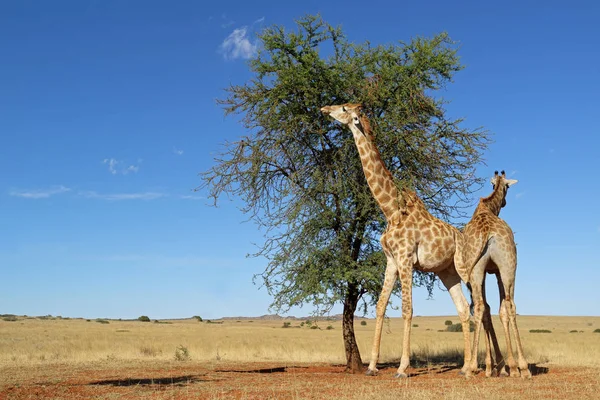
(353, 361)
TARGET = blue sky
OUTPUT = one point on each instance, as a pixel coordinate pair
(107, 114)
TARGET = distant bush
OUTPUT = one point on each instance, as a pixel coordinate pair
(329, 327)
(9, 317)
(162, 322)
(415, 325)
(101, 321)
(182, 353)
(199, 318)
(301, 323)
(314, 327)
(574, 331)
(597, 330)
(286, 324)
(144, 318)
(540, 331)
(149, 351)
(363, 323)
(458, 327)
(448, 323)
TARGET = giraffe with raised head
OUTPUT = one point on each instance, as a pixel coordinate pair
(413, 239)
(489, 247)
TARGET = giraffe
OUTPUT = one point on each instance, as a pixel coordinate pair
(489, 246)
(413, 239)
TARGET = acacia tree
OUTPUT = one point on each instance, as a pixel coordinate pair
(299, 174)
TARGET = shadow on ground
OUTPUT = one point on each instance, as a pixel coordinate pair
(172, 380)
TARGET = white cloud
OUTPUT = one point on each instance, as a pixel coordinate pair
(190, 197)
(116, 167)
(237, 45)
(39, 193)
(258, 21)
(177, 151)
(519, 195)
(122, 196)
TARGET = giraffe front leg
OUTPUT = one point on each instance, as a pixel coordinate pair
(452, 282)
(405, 273)
(388, 284)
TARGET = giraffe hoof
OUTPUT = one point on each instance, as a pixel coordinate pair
(371, 372)
(399, 375)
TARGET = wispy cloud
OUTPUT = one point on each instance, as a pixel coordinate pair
(226, 22)
(122, 196)
(190, 197)
(238, 45)
(119, 167)
(39, 193)
(260, 20)
(519, 195)
(177, 151)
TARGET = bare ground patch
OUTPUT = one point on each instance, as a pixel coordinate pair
(216, 380)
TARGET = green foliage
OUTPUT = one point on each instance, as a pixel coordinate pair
(574, 331)
(199, 318)
(299, 175)
(415, 325)
(448, 322)
(144, 318)
(329, 327)
(286, 324)
(102, 321)
(363, 323)
(458, 327)
(314, 327)
(540, 331)
(182, 353)
(597, 330)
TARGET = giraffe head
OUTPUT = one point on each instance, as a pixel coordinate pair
(345, 113)
(500, 182)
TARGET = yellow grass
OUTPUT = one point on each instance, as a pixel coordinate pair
(31, 341)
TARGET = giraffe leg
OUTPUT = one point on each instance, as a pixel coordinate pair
(452, 282)
(405, 272)
(391, 273)
(504, 318)
(476, 281)
(512, 316)
(490, 340)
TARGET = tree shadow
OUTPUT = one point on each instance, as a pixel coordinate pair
(172, 380)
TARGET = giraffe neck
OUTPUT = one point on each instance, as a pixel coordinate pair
(494, 201)
(379, 178)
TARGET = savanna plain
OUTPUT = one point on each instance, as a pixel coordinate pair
(60, 358)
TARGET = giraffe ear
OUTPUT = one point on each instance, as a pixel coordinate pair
(510, 182)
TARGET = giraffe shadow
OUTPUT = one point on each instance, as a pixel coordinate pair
(535, 370)
(258, 371)
(172, 381)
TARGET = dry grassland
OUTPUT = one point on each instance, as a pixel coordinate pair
(134, 359)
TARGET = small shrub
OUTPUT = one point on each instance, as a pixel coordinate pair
(314, 327)
(574, 331)
(149, 351)
(363, 323)
(448, 322)
(101, 321)
(286, 324)
(540, 331)
(415, 325)
(329, 327)
(199, 318)
(88, 320)
(182, 353)
(308, 322)
(301, 323)
(144, 318)
(9, 318)
(458, 327)
(122, 330)
(597, 330)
